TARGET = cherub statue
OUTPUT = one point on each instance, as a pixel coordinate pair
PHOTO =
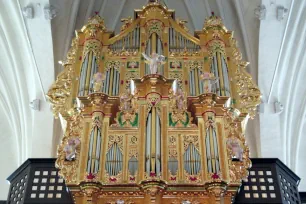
(98, 79)
(235, 149)
(180, 99)
(70, 148)
(154, 61)
(209, 82)
(126, 101)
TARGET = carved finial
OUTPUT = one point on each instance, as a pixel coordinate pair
(213, 22)
(95, 22)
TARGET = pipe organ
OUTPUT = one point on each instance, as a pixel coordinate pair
(134, 136)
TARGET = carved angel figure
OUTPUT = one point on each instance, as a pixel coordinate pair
(209, 82)
(70, 148)
(125, 100)
(177, 100)
(98, 79)
(180, 99)
(235, 149)
(154, 61)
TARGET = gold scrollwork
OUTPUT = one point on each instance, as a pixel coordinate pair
(94, 46)
(154, 26)
(68, 169)
(193, 64)
(112, 65)
(216, 46)
(60, 90)
(248, 92)
(214, 22)
(126, 23)
(182, 23)
(95, 24)
(122, 52)
(185, 53)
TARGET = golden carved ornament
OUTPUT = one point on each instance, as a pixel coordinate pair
(132, 178)
(185, 53)
(90, 188)
(208, 99)
(239, 170)
(93, 46)
(154, 7)
(153, 187)
(98, 99)
(113, 179)
(112, 65)
(128, 114)
(216, 46)
(248, 91)
(122, 52)
(154, 26)
(68, 169)
(182, 23)
(95, 24)
(60, 90)
(214, 22)
(153, 100)
(193, 139)
(126, 23)
(177, 75)
(194, 64)
(71, 55)
(173, 179)
(115, 139)
(192, 178)
(236, 146)
(250, 96)
(217, 188)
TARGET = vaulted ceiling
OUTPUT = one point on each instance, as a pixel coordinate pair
(31, 48)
